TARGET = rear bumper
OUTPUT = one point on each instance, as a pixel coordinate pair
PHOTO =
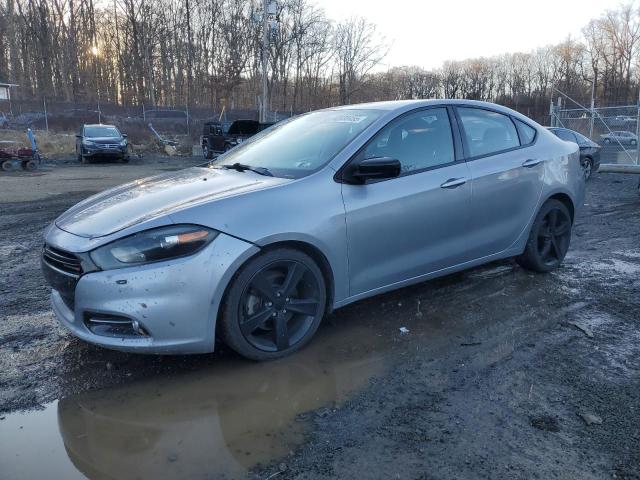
(175, 303)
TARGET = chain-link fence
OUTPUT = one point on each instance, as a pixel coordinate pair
(44, 114)
(615, 128)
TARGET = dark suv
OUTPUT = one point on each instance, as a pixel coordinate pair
(218, 137)
(101, 141)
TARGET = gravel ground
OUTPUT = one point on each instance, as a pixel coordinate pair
(503, 373)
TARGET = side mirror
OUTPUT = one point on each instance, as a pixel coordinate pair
(376, 168)
(78, 136)
(124, 135)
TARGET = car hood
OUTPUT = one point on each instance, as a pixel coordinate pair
(127, 205)
(104, 139)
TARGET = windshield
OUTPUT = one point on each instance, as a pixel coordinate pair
(108, 132)
(302, 145)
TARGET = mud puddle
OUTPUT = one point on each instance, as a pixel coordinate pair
(217, 422)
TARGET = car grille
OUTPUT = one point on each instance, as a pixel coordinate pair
(61, 260)
(108, 145)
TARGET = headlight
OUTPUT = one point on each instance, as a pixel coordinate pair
(88, 142)
(154, 245)
(123, 143)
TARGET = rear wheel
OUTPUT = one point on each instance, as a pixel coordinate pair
(7, 165)
(206, 153)
(274, 305)
(607, 141)
(587, 167)
(549, 238)
(29, 165)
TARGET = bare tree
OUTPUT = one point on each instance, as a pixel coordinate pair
(358, 51)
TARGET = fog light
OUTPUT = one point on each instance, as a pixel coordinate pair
(113, 325)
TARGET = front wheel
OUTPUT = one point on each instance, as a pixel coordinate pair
(633, 142)
(274, 305)
(549, 238)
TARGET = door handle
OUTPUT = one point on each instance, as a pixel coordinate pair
(453, 183)
(532, 162)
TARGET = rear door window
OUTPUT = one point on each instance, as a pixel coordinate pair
(487, 132)
(527, 132)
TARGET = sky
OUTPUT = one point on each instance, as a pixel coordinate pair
(428, 32)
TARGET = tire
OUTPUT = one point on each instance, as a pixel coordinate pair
(633, 142)
(84, 159)
(30, 165)
(258, 319)
(227, 147)
(206, 153)
(124, 159)
(549, 238)
(7, 165)
(607, 141)
(587, 167)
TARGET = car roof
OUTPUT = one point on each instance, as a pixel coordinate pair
(98, 125)
(401, 106)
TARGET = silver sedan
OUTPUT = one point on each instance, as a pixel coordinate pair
(310, 215)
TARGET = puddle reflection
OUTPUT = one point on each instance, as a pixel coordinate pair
(215, 423)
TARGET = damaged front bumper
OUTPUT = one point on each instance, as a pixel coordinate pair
(163, 308)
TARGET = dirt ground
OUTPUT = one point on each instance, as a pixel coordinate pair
(501, 374)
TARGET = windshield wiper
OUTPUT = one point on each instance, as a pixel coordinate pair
(240, 167)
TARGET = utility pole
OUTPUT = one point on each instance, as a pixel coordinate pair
(593, 109)
(46, 117)
(95, 52)
(265, 45)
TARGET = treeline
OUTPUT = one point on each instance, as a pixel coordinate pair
(206, 53)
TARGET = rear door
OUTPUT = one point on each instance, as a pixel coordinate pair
(415, 224)
(507, 172)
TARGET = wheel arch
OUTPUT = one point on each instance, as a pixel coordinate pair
(313, 251)
(317, 255)
(564, 199)
(308, 248)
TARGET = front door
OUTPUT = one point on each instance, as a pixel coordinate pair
(415, 224)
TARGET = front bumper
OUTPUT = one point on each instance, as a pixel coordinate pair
(98, 151)
(175, 302)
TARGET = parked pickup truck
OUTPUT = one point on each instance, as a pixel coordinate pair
(218, 137)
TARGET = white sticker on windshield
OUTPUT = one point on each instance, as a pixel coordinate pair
(350, 118)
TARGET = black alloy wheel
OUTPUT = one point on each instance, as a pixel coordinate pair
(553, 237)
(549, 238)
(587, 167)
(275, 305)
